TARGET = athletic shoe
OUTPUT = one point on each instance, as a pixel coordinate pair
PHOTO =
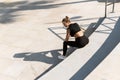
(61, 57)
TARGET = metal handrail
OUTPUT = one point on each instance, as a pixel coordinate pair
(106, 4)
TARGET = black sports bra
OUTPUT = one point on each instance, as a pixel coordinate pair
(74, 28)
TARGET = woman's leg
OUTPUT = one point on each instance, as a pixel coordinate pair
(66, 43)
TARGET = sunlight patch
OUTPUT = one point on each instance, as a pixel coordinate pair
(49, 54)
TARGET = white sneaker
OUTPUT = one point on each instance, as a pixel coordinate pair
(61, 57)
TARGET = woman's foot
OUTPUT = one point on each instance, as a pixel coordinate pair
(61, 57)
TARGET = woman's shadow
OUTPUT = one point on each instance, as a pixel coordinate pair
(49, 57)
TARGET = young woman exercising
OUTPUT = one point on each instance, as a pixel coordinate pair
(73, 30)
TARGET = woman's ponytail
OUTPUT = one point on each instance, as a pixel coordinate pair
(66, 19)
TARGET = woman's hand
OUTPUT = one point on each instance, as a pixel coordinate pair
(83, 30)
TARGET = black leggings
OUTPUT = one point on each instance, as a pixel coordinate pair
(79, 43)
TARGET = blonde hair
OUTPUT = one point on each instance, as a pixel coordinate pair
(66, 19)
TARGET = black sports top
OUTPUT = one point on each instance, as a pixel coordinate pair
(74, 28)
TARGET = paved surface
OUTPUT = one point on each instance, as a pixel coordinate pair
(31, 33)
(94, 60)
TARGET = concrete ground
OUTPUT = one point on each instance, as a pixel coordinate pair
(31, 33)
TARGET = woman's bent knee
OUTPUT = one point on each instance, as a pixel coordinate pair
(64, 43)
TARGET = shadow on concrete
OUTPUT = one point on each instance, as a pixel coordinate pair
(75, 19)
(91, 28)
(9, 9)
(111, 42)
(72, 19)
(108, 1)
(88, 32)
(6, 16)
(52, 29)
(108, 28)
(41, 57)
(94, 18)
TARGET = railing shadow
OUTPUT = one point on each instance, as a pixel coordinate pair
(91, 28)
(88, 32)
(110, 43)
(108, 1)
(52, 29)
(41, 57)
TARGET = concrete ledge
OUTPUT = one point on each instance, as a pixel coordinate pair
(83, 61)
(108, 69)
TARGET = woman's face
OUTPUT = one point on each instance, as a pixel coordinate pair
(65, 24)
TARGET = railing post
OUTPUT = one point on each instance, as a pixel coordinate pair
(106, 8)
(113, 6)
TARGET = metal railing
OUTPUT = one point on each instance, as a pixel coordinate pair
(107, 4)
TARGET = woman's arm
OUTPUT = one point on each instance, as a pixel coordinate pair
(67, 35)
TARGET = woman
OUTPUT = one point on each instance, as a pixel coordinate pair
(73, 30)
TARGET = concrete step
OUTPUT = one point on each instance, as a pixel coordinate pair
(108, 69)
(83, 61)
